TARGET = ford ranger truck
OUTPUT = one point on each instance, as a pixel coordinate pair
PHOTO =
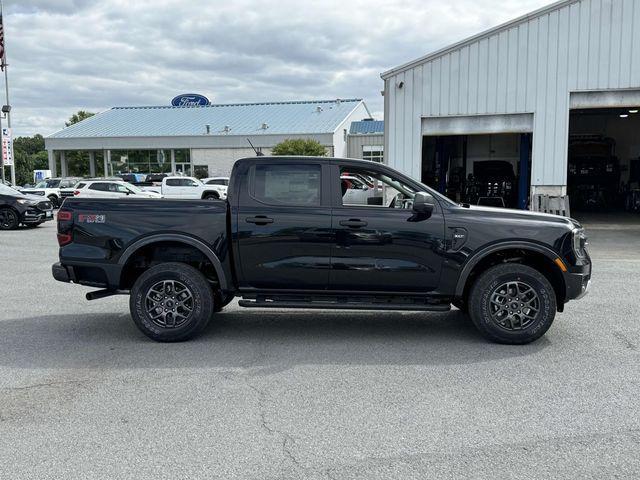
(287, 236)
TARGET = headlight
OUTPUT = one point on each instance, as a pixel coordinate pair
(579, 242)
(23, 201)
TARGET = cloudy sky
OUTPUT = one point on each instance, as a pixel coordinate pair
(66, 55)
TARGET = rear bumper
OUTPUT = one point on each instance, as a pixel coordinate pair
(62, 273)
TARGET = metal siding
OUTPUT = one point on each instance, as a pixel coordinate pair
(529, 66)
(472, 85)
(356, 142)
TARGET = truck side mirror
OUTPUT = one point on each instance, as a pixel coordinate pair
(423, 203)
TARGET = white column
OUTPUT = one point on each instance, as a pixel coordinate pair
(173, 161)
(92, 164)
(52, 162)
(63, 164)
(106, 156)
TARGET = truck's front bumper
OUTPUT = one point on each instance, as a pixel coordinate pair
(577, 282)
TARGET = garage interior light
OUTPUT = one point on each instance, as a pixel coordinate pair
(624, 115)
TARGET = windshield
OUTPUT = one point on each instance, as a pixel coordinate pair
(133, 188)
(6, 190)
(50, 183)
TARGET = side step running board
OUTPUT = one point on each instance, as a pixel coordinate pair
(346, 305)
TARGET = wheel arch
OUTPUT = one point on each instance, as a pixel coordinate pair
(537, 256)
(215, 193)
(135, 247)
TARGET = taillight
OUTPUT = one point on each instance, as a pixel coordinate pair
(64, 215)
(75, 193)
(64, 239)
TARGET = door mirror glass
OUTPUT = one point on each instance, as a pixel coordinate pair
(423, 203)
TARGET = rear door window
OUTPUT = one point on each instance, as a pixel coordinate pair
(103, 187)
(287, 184)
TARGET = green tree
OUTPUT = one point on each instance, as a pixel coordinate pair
(29, 155)
(78, 162)
(78, 117)
(307, 147)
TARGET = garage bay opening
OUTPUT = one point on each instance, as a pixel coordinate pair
(491, 170)
(603, 173)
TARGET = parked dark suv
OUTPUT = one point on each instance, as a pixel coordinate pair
(17, 208)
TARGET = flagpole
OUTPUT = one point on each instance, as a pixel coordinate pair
(2, 60)
(6, 89)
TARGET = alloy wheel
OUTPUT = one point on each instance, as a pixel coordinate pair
(514, 305)
(169, 303)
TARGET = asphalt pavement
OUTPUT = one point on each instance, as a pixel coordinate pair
(309, 394)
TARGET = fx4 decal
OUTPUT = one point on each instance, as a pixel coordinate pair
(91, 218)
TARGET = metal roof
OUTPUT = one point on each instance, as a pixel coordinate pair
(486, 34)
(269, 118)
(367, 127)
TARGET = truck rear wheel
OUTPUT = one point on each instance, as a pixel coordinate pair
(512, 304)
(171, 302)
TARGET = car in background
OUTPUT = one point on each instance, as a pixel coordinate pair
(155, 178)
(110, 189)
(216, 181)
(51, 187)
(191, 188)
(18, 208)
(220, 181)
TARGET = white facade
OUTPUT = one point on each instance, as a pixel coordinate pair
(523, 76)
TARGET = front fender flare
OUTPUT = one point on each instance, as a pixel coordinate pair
(173, 237)
(481, 254)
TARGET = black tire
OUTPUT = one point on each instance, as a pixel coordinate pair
(189, 317)
(211, 196)
(222, 302)
(529, 304)
(9, 219)
(55, 201)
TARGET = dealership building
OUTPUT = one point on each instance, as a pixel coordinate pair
(551, 98)
(199, 140)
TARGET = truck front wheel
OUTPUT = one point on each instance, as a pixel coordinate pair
(512, 303)
(171, 302)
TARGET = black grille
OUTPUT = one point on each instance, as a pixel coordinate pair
(45, 206)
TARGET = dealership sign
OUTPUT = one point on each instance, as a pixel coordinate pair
(7, 147)
(190, 100)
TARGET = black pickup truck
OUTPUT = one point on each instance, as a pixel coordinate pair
(293, 233)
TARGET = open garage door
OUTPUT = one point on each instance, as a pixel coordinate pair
(603, 172)
(489, 169)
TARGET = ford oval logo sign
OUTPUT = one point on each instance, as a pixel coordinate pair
(190, 100)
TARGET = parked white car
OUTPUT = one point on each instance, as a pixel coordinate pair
(50, 188)
(222, 182)
(356, 191)
(110, 189)
(191, 187)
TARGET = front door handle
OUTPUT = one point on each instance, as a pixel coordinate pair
(259, 220)
(353, 223)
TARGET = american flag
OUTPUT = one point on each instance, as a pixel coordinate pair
(1, 43)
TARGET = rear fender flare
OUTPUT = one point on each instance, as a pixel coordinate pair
(168, 237)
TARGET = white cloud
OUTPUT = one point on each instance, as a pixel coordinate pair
(67, 55)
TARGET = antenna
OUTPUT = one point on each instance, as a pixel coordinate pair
(258, 154)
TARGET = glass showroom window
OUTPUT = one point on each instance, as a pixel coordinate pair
(374, 153)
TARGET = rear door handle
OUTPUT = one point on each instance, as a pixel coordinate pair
(353, 223)
(259, 220)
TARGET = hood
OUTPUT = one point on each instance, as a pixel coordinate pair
(524, 215)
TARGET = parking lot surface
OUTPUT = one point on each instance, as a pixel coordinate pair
(311, 394)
